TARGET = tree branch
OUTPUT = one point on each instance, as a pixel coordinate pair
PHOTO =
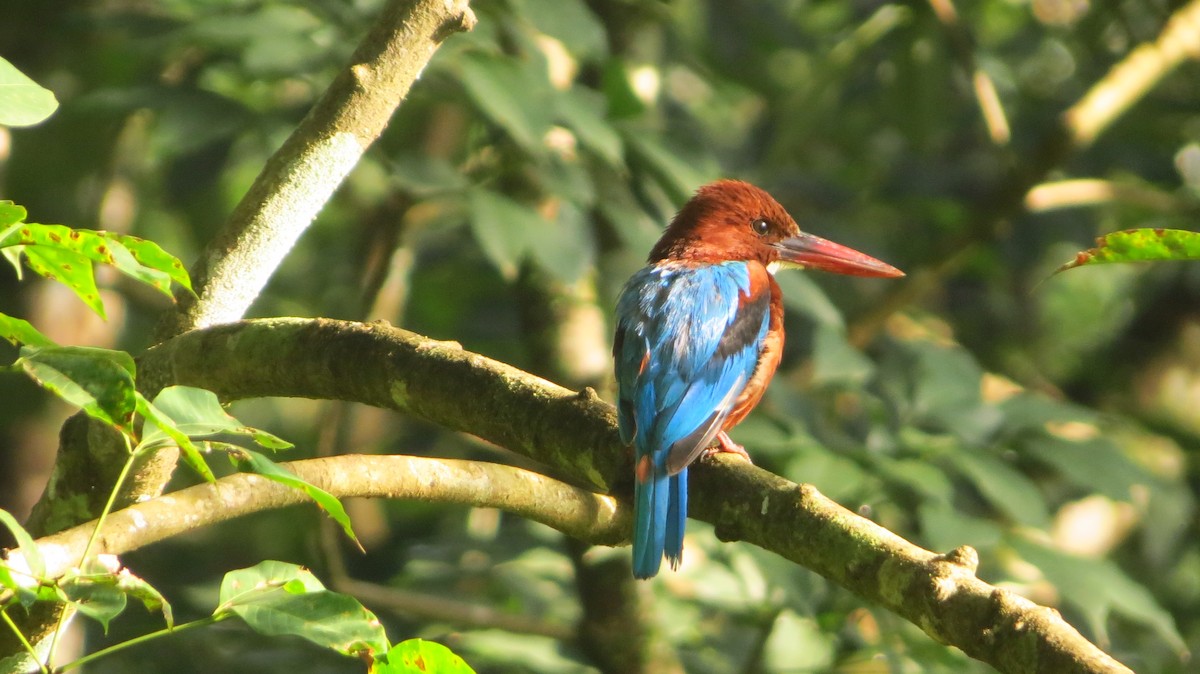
(302, 175)
(573, 511)
(1130, 80)
(575, 434)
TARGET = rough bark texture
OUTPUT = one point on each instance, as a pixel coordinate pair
(303, 174)
(575, 436)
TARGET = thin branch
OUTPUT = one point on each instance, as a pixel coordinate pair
(574, 511)
(1049, 196)
(575, 434)
(302, 175)
(442, 608)
(1130, 80)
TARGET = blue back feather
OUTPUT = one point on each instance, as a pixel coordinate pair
(674, 317)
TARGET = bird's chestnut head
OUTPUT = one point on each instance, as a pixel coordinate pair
(732, 220)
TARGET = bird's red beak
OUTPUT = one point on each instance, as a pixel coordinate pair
(813, 252)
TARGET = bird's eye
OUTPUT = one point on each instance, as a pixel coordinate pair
(760, 226)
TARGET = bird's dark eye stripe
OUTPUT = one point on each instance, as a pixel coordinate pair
(760, 226)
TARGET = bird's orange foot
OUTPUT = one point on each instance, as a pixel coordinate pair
(724, 444)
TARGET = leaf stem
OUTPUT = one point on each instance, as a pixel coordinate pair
(135, 641)
(87, 549)
(24, 642)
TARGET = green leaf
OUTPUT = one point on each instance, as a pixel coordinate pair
(582, 110)
(927, 480)
(10, 214)
(86, 242)
(245, 586)
(503, 228)
(22, 101)
(25, 581)
(1097, 465)
(276, 598)
(160, 431)
(19, 331)
(511, 93)
(802, 294)
(417, 656)
(95, 596)
(945, 527)
(99, 381)
(571, 22)
(1098, 587)
(1004, 487)
(1032, 411)
(1139, 245)
(328, 502)
(65, 254)
(947, 392)
(563, 247)
(799, 644)
(69, 268)
(148, 262)
(151, 598)
(198, 413)
(679, 175)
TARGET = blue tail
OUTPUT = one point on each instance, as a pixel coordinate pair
(660, 514)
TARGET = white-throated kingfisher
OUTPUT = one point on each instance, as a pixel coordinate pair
(699, 335)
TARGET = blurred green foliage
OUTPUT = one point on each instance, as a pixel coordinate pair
(1049, 423)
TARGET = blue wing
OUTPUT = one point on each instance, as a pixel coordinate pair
(688, 340)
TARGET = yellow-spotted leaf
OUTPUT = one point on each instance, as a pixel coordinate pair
(19, 331)
(69, 268)
(99, 381)
(10, 214)
(276, 598)
(151, 259)
(417, 656)
(1139, 245)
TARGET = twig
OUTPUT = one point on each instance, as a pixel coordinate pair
(1130, 80)
(455, 612)
(1091, 192)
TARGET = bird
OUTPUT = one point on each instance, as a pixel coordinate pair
(699, 334)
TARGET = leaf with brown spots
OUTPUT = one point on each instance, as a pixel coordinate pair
(417, 656)
(150, 255)
(1139, 245)
(69, 268)
(99, 381)
(20, 331)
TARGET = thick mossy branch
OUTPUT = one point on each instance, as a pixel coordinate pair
(379, 365)
(575, 435)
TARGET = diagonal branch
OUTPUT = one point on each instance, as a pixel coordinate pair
(575, 435)
(302, 174)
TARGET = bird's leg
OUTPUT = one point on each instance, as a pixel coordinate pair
(725, 444)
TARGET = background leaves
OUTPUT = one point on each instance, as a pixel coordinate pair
(1049, 421)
